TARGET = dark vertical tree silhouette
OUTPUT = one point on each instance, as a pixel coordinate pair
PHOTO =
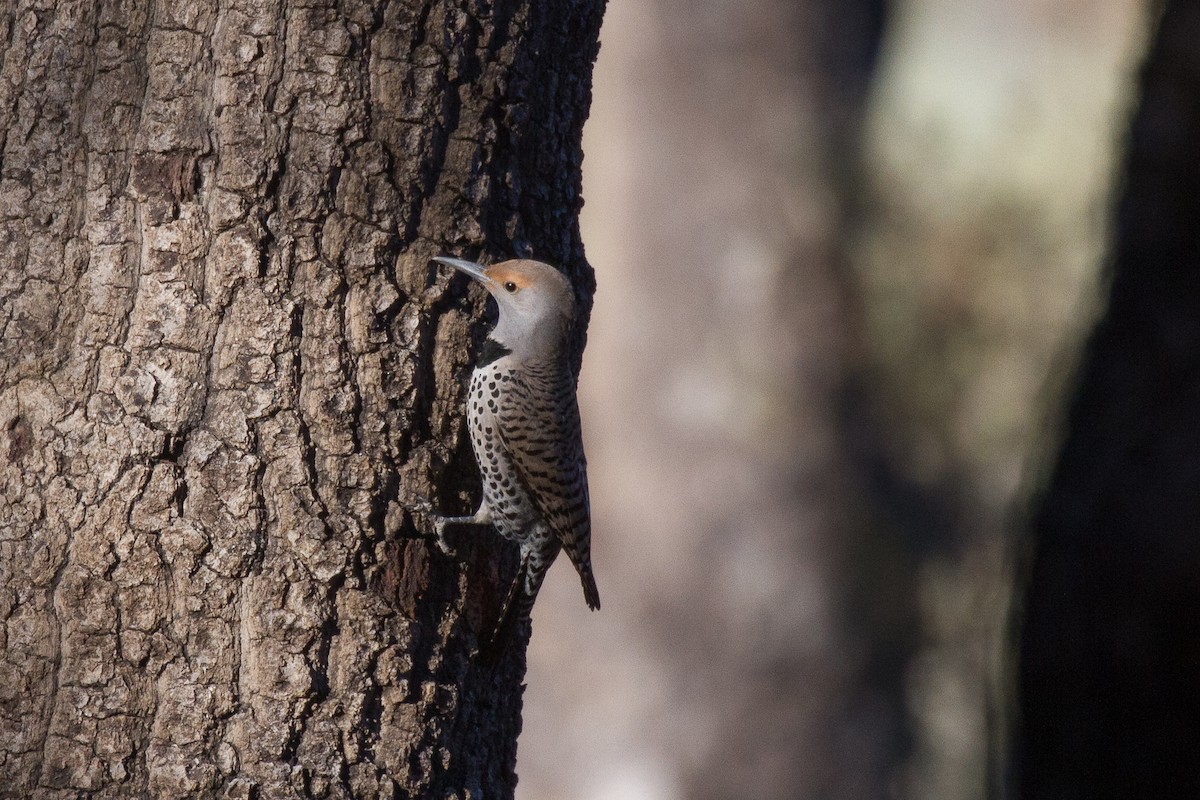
(226, 370)
(1109, 699)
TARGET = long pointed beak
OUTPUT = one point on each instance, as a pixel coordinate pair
(469, 267)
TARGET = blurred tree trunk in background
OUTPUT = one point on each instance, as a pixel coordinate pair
(223, 358)
(1109, 692)
(804, 473)
(730, 519)
(993, 132)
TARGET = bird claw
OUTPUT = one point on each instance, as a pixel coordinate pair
(439, 527)
(423, 508)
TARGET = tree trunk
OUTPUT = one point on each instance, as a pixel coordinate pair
(733, 665)
(226, 370)
(1108, 696)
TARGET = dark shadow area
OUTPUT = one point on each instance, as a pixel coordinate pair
(1109, 652)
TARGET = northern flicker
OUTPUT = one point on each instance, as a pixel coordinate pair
(524, 426)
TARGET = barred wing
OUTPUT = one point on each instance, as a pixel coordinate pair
(538, 421)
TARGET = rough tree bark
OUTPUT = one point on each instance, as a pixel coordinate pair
(1108, 695)
(226, 366)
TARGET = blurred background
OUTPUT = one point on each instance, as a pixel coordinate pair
(846, 255)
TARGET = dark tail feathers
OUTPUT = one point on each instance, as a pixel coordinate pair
(518, 608)
(590, 593)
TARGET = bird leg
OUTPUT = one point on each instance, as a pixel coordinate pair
(482, 517)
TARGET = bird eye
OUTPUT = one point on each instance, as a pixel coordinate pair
(510, 286)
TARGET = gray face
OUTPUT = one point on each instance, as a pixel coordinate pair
(535, 302)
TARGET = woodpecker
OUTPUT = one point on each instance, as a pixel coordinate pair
(524, 424)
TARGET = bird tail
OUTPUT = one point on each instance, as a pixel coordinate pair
(517, 608)
(590, 593)
(582, 560)
(518, 605)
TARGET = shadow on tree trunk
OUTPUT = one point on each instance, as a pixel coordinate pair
(226, 369)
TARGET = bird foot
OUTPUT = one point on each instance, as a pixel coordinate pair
(439, 527)
(421, 507)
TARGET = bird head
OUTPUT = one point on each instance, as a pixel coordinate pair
(535, 301)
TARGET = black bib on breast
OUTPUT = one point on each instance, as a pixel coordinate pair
(492, 351)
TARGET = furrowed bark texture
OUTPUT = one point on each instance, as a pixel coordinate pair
(1108, 695)
(226, 369)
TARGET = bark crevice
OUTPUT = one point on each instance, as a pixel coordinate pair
(225, 380)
